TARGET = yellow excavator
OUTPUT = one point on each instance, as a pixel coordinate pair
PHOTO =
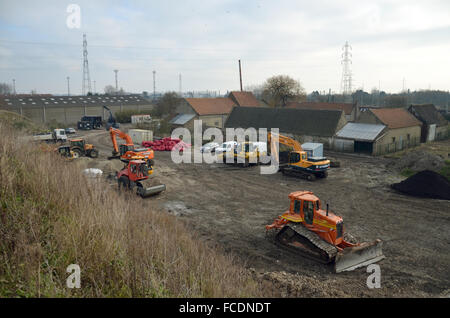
(295, 160)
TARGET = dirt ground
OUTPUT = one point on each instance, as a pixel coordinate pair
(229, 206)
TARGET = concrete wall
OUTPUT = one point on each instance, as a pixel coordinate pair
(70, 115)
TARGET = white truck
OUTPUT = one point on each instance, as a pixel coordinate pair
(54, 136)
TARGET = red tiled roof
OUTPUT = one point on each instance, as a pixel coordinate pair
(395, 117)
(346, 107)
(211, 106)
(245, 99)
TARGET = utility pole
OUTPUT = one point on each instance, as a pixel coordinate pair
(14, 86)
(68, 86)
(117, 86)
(180, 85)
(86, 88)
(94, 88)
(240, 74)
(154, 85)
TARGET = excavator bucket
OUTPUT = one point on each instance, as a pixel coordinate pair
(362, 255)
(149, 191)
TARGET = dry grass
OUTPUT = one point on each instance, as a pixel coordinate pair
(52, 216)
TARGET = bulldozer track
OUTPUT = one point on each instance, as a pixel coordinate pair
(315, 239)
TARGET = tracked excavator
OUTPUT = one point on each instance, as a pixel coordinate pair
(295, 161)
(309, 230)
(129, 151)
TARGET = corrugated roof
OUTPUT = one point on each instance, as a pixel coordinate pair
(181, 119)
(211, 106)
(58, 101)
(396, 117)
(361, 132)
(346, 107)
(428, 114)
(245, 99)
(296, 121)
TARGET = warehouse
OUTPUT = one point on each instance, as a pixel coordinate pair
(305, 125)
(69, 109)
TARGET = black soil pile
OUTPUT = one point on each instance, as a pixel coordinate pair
(426, 184)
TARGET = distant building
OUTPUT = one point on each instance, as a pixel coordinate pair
(434, 125)
(403, 129)
(350, 109)
(69, 109)
(304, 125)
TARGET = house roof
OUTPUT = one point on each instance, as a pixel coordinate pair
(181, 119)
(211, 106)
(246, 99)
(60, 101)
(346, 107)
(296, 121)
(360, 131)
(428, 114)
(396, 117)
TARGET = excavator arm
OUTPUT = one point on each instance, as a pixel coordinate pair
(114, 132)
(293, 144)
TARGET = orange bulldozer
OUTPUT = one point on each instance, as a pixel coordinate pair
(319, 234)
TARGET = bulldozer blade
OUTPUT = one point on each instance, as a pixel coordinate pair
(362, 255)
(146, 192)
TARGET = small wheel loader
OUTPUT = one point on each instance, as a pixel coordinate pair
(307, 229)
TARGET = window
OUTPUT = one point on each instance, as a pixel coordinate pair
(308, 211)
(393, 139)
(216, 123)
(408, 136)
(297, 205)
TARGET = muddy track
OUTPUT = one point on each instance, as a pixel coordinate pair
(229, 206)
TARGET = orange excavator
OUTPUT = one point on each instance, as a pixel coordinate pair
(295, 161)
(307, 229)
(129, 151)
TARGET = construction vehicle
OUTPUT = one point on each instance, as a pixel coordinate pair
(307, 229)
(66, 152)
(295, 160)
(81, 148)
(135, 175)
(129, 151)
(89, 122)
(245, 153)
(111, 120)
(57, 135)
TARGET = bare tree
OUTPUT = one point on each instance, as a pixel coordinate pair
(5, 88)
(110, 90)
(281, 89)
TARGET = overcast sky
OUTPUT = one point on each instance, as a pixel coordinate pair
(394, 43)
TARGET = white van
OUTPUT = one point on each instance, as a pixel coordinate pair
(226, 146)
